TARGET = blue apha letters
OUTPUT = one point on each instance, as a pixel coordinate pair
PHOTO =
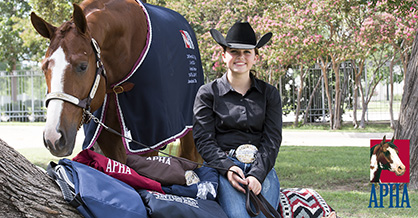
(392, 191)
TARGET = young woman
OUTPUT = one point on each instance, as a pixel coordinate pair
(238, 123)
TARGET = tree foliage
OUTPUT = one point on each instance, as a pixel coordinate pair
(305, 32)
(329, 32)
(12, 47)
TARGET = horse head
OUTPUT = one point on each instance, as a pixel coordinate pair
(74, 83)
(384, 156)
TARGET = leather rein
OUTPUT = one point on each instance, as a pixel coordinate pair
(86, 102)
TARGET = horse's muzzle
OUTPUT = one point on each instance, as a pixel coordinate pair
(400, 170)
(58, 143)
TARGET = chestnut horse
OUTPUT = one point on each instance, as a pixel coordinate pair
(384, 156)
(86, 57)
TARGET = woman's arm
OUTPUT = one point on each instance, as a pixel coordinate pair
(204, 129)
(272, 136)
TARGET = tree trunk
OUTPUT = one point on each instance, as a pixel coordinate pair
(407, 127)
(13, 86)
(355, 102)
(375, 80)
(308, 107)
(300, 91)
(358, 72)
(26, 191)
(392, 120)
(324, 66)
(337, 111)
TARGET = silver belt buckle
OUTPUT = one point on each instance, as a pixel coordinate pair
(246, 153)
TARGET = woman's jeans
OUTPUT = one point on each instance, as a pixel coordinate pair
(232, 201)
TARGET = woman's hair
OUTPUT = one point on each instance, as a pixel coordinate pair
(255, 50)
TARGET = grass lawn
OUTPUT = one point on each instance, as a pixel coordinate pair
(341, 176)
(41, 156)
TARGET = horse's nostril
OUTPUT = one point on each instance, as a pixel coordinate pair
(60, 143)
(47, 144)
(54, 139)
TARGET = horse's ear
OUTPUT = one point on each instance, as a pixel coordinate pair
(393, 139)
(79, 19)
(41, 26)
(383, 140)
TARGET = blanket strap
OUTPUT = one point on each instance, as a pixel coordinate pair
(124, 87)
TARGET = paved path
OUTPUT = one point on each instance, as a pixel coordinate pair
(330, 138)
(19, 136)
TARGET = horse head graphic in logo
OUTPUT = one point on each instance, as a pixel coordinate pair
(384, 156)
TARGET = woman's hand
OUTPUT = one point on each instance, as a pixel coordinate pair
(254, 185)
(235, 180)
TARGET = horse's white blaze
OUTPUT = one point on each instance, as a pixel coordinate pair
(59, 64)
(397, 163)
(373, 166)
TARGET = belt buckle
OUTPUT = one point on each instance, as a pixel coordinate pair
(246, 153)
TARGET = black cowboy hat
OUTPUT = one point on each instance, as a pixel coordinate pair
(241, 36)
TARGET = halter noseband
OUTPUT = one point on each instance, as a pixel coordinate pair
(84, 103)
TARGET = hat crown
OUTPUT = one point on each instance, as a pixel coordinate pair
(241, 33)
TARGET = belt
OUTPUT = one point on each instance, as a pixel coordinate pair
(244, 153)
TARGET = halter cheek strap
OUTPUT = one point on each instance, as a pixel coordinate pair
(84, 103)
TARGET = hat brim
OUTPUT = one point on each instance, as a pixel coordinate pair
(218, 37)
(264, 39)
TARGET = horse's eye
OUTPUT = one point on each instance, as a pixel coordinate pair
(45, 66)
(81, 67)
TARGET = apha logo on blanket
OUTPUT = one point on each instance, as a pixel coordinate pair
(389, 173)
(188, 42)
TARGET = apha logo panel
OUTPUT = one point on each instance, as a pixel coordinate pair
(389, 161)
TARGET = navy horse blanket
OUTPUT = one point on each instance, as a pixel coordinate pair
(166, 77)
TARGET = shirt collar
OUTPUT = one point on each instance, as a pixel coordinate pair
(225, 87)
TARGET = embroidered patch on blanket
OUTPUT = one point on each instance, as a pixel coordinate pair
(159, 108)
(301, 202)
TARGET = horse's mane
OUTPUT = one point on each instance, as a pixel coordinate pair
(388, 142)
(65, 27)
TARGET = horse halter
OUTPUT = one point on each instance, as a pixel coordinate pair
(83, 103)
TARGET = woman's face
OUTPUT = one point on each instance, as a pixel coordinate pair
(239, 60)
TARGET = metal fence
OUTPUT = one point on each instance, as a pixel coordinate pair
(378, 108)
(22, 95)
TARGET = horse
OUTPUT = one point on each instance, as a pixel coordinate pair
(89, 61)
(384, 156)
